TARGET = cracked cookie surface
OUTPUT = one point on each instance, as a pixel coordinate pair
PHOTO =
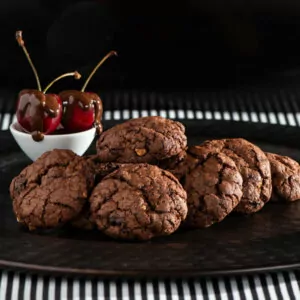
(142, 140)
(100, 170)
(138, 202)
(177, 164)
(214, 187)
(285, 178)
(254, 167)
(52, 190)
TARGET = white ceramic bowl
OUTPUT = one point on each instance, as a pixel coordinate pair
(78, 142)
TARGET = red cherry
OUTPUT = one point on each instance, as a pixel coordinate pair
(83, 110)
(52, 119)
(39, 113)
(81, 120)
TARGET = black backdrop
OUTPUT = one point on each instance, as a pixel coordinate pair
(161, 44)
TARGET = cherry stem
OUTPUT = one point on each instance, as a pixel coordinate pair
(108, 55)
(75, 74)
(21, 43)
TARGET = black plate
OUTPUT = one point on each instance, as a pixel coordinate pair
(268, 240)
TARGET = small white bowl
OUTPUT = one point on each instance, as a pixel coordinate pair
(78, 142)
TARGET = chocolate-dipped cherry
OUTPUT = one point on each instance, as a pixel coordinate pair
(39, 113)
(83, 110)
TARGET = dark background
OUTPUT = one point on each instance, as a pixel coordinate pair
(189, 45)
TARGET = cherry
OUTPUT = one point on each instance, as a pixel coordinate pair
(83, 110)
(39, 113)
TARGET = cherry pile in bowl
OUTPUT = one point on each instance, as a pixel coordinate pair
(40, 113)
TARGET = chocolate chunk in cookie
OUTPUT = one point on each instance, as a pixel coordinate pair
(253, 165)
(138, 201)
(142, 140)
(285, 178)
(52, 190)
(214, 187)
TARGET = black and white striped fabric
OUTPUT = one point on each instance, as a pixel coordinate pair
(281, 285)
(289, 119)
(277, 286)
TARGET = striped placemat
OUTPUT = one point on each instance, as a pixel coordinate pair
(282, 118)
(284, 285)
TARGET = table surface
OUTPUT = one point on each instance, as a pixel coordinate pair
(280, 285)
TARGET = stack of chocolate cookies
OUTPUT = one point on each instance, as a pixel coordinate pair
(145, 182)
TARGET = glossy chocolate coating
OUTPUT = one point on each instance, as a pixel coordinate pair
(86, 101)
(33, 105)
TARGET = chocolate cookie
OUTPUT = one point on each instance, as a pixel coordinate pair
(142, 140)
(285, 178)
(176, 164)
(253, 165)
(100, 170)
(84, 220)
(52, 190)
(214, 187)
(138, 201)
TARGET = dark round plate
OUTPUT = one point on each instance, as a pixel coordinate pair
(266, 241)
